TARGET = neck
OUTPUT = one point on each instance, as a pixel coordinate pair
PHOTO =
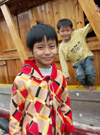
(65, 41)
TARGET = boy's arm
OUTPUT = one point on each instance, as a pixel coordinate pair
(63, 63)
(87, 29)
(16, 108)
(66, 110)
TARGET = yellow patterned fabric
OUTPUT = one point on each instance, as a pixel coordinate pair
(30, 112)
(76, 49)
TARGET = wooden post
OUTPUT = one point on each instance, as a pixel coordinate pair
(89, 7)
(14, 33)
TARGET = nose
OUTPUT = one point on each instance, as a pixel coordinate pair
(65, 32)
(47, 50)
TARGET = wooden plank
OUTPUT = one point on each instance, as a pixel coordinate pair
(79, 15)
(35, 14)
(19, 65)
(1, 41)
(14, 33)
(64, 10)
(12, 56)
(56, 15)
(91, 39)
(92, 15)
(94, 46)
(5, 34)
(10, 50)
(96, 67)
(3, 2)
(31, 17)
(49, 10)
(72, 17)
(12, 70)
(24, 26)
(3, 72)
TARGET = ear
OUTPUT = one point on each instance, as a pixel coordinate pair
(29, 50)
(58, 31)
(72, 29)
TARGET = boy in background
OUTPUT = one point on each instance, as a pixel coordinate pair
(74, 47)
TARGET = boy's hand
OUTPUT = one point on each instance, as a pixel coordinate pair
(69, 80)
(98, 9)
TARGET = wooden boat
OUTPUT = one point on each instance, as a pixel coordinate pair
(16, 18)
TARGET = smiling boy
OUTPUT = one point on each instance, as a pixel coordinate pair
(40, 103)
(74, 47)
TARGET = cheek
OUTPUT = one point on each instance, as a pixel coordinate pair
(62, 34)
(55, 52)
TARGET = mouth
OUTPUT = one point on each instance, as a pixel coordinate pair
(65, 36)
(48, 58)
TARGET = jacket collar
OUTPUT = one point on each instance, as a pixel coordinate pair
(30, 68)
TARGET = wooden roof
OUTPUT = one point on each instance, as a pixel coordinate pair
(16, 6)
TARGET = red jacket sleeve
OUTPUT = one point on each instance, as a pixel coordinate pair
(16, 108)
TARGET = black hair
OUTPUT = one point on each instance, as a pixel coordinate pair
(64, 23)
(37, 33)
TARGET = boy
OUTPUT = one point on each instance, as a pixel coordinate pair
(40, 103)
(75, 48)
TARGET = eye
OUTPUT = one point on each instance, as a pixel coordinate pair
(40, 47)
(67, 30)
(52, 46)
(62, 30)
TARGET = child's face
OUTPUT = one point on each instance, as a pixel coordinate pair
(65, 33)
(44, 52)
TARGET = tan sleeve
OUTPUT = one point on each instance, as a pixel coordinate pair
(63, 62)
(87, 29)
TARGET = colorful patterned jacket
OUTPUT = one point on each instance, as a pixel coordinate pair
(30, 107)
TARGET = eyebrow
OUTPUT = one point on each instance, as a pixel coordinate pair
(39, 44)
(51, 43)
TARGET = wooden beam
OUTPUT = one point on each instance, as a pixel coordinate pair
(93, 46)
(14, 33)
(89, 7)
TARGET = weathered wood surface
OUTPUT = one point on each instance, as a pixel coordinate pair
(14, 33)
(47, 11)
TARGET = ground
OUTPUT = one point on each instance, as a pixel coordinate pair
(2, 132)
(85, 107)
